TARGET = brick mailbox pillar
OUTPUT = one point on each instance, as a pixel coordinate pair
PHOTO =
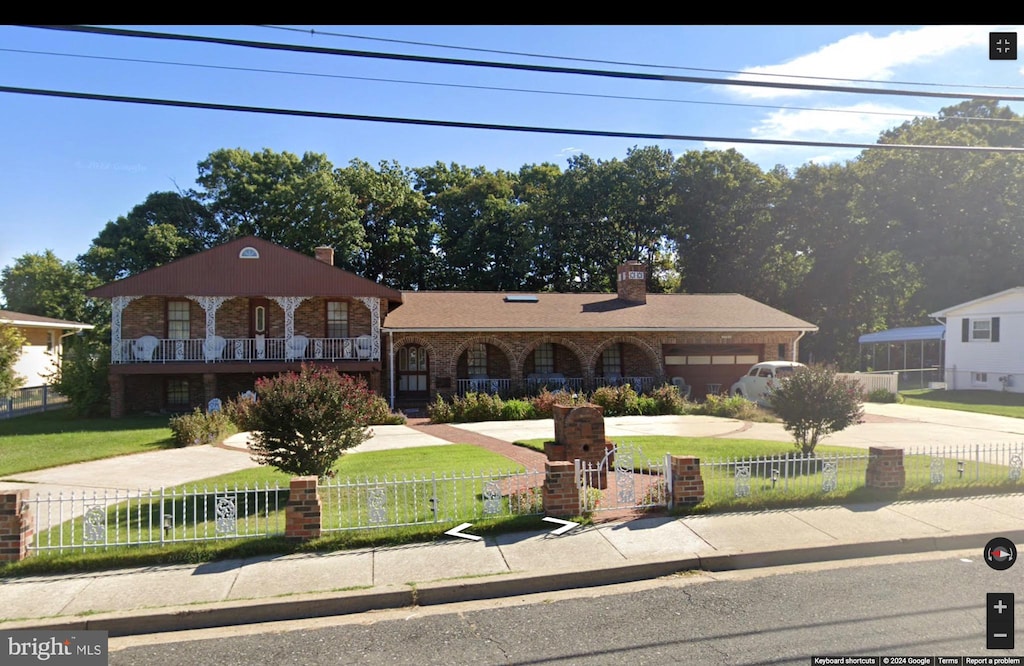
(302, 515)
(687, 483)
(561, 492)
(885, 469)
(579, 434)
(16, 525)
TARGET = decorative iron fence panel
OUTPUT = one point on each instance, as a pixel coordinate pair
(439, 498)
(992, 463)
(624, 479)
(31, 400)
(93, 520)
(781, 475)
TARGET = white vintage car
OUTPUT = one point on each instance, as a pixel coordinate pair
(758, 381)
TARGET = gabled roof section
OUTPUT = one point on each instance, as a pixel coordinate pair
(494, 311)
(225, 270)
(35, 321)
(1013, 291)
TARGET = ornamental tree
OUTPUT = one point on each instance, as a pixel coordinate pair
(816, 402)
(11, 341)
(303, 422)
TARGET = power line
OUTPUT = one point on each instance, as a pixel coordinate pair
(523, 67)
(564, 93)
(486, 126)
(313, 31)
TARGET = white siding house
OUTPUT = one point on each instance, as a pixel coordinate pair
(43, 346)
(985, 342)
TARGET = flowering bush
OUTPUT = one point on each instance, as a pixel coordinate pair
(815, 402)
(303, 422)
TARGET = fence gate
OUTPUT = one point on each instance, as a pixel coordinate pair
(624, 479)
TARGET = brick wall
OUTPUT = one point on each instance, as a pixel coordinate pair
(16, 525)
(885, 470)
(303, 512)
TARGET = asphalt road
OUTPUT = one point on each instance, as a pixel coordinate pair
(900, 606)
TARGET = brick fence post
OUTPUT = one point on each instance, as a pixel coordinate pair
(885, 469)
(687, 483)
(561, 494)
(16, 525)
(302, 514)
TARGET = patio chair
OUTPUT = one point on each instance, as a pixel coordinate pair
(684, 388)
(296, 347)
(143, 348)
(364, 346)
(213, 348)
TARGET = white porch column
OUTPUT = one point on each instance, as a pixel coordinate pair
(210, 304)
(289, 304)
(117, 306)
(373, 303)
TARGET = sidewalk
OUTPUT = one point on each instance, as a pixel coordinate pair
(168, 598)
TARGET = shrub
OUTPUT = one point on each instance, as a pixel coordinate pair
(883, 395)
(478, 407)
(239, 412)
(544, 402)
(617, 400)
(729, 407)
(197, 427)
(517, 410)
(82, 377)
(380, 413)
(647, 406)
(11, 342)
(440, 411)
(303, 422)
(815, 402)
(670, 401)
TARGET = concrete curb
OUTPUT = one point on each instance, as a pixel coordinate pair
(237, 612)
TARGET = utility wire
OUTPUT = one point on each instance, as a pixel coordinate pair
(487, 126)
(314, 32)
(490, 88)
(523, 67)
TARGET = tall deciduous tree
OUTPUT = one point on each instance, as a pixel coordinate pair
(42, 284)
(11, 342)
(293, 201)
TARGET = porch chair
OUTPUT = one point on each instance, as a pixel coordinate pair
(684, 388)
(296, 347)
(213, 348)
(143, 348)
(364, 346)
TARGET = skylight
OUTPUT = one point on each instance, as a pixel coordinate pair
(520, 298)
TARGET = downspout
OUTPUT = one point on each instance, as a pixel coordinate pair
(391, 367)
(796, 343)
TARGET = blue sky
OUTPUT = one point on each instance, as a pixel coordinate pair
(70, 166)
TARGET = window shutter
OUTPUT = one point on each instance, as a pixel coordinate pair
(966, 330)
(995, 329)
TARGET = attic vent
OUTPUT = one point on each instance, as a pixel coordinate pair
(249, 253)
(520, 298)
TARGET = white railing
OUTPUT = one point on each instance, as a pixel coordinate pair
(437, 498)
(778, 475)
(993, 463)
(90, 520)
(248, 350)
(888, 381)
(483, 385)
(639, 384)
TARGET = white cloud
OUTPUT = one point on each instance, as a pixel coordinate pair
(864, 56)
(863, 125)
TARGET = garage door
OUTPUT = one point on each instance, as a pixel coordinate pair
(710, 368)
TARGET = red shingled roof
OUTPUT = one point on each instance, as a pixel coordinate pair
(489, 311)
(220, 271)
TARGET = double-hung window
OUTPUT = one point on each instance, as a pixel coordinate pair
(982, 329)
(178, 320)
(544, 358)
(337, 319)
(477, 360)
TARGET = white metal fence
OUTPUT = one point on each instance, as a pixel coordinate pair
(95, 520)
(629, 478)
(30, 400)
(782, 475)
(991, 463)
(438, 498)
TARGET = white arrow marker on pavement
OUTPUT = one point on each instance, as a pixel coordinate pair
(566, 525)
(457, 532)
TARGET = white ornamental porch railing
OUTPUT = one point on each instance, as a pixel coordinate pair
(156, 350)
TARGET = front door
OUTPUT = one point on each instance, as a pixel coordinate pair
(413, 378)
(259, 321)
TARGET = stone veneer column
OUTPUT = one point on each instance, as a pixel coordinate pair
(302, 514)
(561, 493)
(885, 469)
(16, 525)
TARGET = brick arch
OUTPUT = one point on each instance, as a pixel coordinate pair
(490, 340)
(650, 351)
(565, 342)
(416, 340)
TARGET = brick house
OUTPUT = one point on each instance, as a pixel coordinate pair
(453, 342)
(209, 324)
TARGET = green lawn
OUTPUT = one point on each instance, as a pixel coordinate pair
(39, 441)
(655, 447)
(1000, 403)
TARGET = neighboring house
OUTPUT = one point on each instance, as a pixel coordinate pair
(985, 342)
(208, 325)
(44, 344)
(453, 342)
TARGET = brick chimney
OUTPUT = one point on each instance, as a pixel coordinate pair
(632, 282)
(325, 254)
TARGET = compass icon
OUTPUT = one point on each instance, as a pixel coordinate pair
(1000, 554)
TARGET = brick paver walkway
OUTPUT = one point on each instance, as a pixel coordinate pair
(528, 458)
